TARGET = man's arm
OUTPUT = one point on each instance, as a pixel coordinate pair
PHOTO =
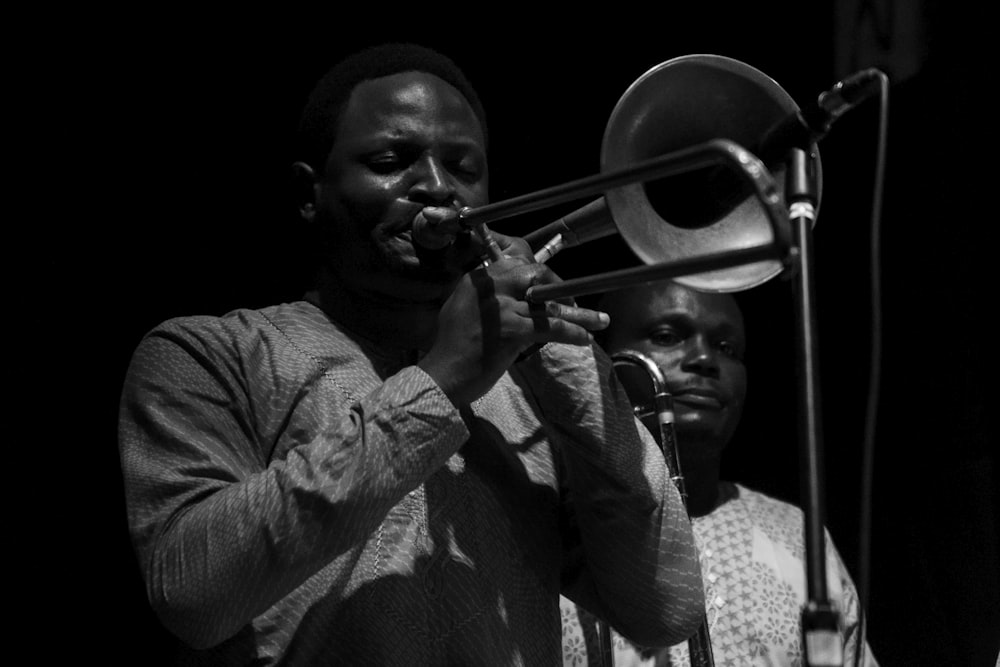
(223, 532)
(639, 565)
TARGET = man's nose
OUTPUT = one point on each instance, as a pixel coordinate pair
(432, 183)
(700, 357)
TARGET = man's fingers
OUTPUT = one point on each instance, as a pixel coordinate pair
(513, 246)
(591, 320)
(554, 322)
(539, 312)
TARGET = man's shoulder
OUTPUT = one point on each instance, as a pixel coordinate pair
(238, 330)
(239, 322)
(768, 504)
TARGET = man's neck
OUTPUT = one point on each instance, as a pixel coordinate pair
(701, 482)
(401, 325)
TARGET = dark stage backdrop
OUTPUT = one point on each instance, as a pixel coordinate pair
(168, 163)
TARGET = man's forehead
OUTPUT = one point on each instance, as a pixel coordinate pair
(412, 91)
(665, 300)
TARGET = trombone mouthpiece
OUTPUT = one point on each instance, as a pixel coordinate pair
(426, 235)
(435, 227)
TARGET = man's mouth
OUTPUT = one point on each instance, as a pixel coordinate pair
(704, 400)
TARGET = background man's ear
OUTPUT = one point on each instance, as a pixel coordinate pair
(303, 188)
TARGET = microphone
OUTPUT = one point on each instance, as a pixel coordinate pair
(700, 200)
(812, 122)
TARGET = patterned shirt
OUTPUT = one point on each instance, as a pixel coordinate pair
(300, 495)
(753, 568)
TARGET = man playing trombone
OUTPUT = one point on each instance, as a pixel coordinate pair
(390, 471)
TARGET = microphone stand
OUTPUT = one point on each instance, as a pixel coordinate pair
(821, 639)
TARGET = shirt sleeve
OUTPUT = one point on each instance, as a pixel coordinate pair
(221, 531)
(631, 556)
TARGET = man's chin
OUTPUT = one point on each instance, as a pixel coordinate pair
(454, 260)
(415, 271)
(409, 283)
(439, 267)
(695, 427)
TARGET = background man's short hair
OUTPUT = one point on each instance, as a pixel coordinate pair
(321, 115)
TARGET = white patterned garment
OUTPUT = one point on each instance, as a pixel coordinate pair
(753, 569)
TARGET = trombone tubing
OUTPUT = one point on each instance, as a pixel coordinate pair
(612, 280)
(687, 159)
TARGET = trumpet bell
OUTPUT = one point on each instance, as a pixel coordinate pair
(675, 105)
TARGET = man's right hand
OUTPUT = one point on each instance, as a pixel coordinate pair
(487, 323)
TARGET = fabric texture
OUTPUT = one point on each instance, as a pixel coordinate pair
(298, 495)
(753, 569)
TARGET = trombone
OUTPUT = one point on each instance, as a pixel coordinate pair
(714, 152)
(679, 184)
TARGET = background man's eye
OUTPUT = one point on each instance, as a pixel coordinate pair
(665, 338)
(384, 165)
(467, 170)
(729, 349)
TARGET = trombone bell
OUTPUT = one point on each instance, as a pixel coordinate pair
(677, 104)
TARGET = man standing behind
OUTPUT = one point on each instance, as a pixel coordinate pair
(751, 545)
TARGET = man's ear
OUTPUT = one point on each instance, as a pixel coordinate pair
(304, 189)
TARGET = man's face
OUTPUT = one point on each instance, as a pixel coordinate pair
(404, 142)
(697, 340)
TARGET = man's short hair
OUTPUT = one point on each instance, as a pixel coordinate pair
(321, 115)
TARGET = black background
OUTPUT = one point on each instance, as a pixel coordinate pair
(161, 141)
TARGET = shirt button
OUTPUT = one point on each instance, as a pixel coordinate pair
(719, 601)
(713, 577)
